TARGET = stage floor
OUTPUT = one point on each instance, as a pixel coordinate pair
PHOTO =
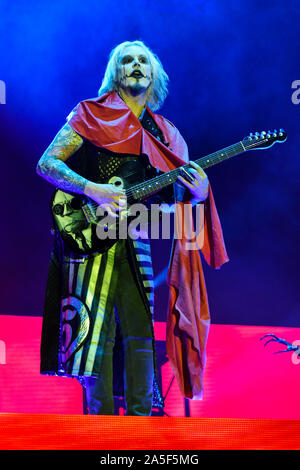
(250, 398)
(74, 432)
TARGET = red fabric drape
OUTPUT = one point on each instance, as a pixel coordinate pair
(109, 123)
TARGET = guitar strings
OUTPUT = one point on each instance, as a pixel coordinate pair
(213, 158)
(171, 176)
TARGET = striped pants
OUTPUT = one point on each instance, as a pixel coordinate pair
(130, 313)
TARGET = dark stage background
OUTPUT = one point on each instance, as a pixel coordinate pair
(231, 67)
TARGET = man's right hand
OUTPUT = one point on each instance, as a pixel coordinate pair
(108, 196)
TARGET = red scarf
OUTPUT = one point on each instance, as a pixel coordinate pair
(109, 123)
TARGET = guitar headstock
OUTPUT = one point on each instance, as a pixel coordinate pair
(264, 139)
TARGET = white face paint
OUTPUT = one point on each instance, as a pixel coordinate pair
(134, 70)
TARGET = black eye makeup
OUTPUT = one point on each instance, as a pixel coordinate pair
(128, 58)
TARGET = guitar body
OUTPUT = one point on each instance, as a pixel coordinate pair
(75, 215)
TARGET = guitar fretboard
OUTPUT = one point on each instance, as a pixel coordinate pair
(150, 187)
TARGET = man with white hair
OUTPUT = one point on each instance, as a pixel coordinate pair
(93, 299)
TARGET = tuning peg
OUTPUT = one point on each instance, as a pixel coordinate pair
(256, 135)
(263, 134)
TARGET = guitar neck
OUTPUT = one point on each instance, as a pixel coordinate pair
(152, 186)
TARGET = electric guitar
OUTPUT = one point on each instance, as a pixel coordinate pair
(76, 216)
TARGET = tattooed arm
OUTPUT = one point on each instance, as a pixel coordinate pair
(53, 168)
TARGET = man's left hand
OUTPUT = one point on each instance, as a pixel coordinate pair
(199, 186)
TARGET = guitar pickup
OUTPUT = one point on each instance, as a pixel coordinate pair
(89, 213)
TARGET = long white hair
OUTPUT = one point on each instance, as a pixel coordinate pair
(158, 90)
